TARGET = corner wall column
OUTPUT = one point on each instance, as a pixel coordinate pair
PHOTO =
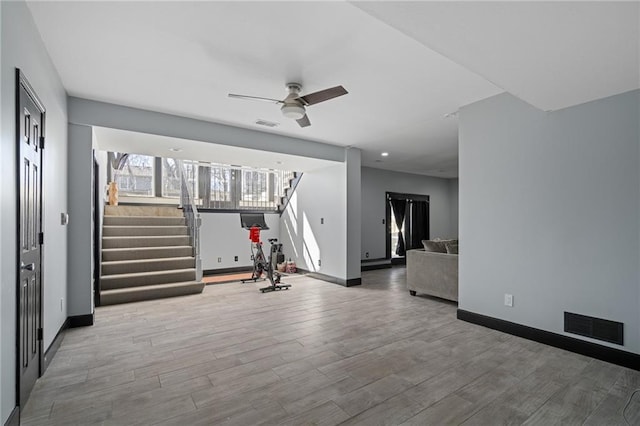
(354, 215)
(80, 237)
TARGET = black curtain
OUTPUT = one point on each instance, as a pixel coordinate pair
(399, 207)
(419, 224)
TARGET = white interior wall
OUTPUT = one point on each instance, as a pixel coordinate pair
(319, 197)
(550, 212)
(21, 46)
(376, 182)
(222, 237)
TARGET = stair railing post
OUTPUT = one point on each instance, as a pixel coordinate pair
(198, 223)
(192, 217)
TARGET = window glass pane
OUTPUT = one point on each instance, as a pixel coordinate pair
(171, 178)
(220, 186)
(255, 190)
(254, 185)
(136, 178)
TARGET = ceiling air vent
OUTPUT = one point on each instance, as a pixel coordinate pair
(262, 122)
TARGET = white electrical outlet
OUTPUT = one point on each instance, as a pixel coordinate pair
(219, 260)
(508, 300)
(61, 304)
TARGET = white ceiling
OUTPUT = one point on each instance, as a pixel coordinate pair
(405, 64)
(550, 54)
(161, 146)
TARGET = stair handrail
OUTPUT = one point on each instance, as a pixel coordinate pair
(194, 221)
(293, 178)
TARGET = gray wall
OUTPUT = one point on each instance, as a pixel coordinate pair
(80, 287)
(453, 194)
(93, 113)
(550, 212)
(222, 237)
(353, 204)
(23, 48)
(376, 182)
(320, 194)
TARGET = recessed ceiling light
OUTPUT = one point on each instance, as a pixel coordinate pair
(385, 154)
(175, 149)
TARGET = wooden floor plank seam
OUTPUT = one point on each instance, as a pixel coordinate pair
(316, 354)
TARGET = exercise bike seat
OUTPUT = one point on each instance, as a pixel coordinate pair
(273, 240)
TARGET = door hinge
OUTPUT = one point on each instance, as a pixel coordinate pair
(41, 142)
(41, 238)
(40, 333)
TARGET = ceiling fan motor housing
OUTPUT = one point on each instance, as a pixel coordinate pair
(293, 108)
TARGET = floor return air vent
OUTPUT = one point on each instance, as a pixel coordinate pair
(596, 328)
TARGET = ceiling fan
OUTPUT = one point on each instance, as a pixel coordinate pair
(293, 106)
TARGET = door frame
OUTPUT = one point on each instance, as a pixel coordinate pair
(389, 217)
(21, 82)
(97, 226)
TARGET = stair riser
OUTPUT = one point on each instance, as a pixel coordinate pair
(115, 242)
(145, 294)
(143, 211)
(148, 266)
(145, 253)
(142, 231)
(114, 281)
(143, 221)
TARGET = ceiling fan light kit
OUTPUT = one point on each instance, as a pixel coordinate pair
(293, 110)
(293, 106)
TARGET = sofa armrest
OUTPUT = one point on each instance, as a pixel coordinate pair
(435, 274)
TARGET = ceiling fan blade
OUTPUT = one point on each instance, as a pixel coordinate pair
(323, 95)
(304, 121)
(255, 98)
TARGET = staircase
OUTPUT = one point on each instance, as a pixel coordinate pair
(289, 184)
(146, 254)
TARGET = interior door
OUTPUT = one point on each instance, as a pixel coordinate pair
(30, 116)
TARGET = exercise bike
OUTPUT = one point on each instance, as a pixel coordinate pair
(262, 265)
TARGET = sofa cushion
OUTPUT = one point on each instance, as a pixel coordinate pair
(452, 247)
(434, 246)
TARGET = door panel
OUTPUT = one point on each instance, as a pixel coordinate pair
(31, 120)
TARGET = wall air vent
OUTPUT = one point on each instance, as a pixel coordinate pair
(262, 122)
(596, 328)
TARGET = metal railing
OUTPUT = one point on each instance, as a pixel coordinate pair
(191, 215)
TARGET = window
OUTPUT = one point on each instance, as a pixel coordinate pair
(171, 178)
(221, 187)
(212, 186)
(254, 189)
(136, 178)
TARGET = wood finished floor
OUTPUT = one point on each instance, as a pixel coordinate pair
(317, 354)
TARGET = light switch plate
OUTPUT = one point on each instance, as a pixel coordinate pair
(508, 300)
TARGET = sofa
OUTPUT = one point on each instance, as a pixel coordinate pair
(432, 273)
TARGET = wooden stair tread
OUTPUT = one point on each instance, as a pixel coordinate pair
(133, 261)
(141, 274)
(122, 249)
(151, 287)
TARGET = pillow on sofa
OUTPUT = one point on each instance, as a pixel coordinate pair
(434, 246)
(452, 247)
